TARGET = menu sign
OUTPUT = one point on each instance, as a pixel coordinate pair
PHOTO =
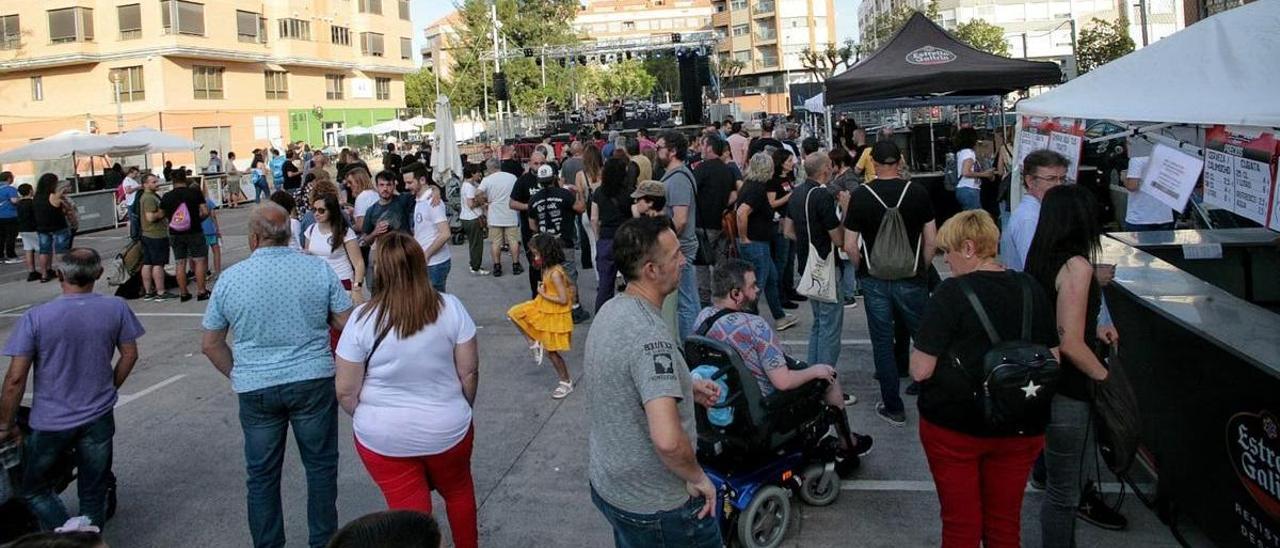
(1238, 171)
(1062, 135)
(1170, 176)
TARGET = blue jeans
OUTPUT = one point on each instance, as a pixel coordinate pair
(606, 271)
(1066, 442)
(757, 253)
(259, 191)
(92, 442)
(781, 250)
(824, 337)
(687, 306)
(880, 298)
(969, 198)
(53, 243)
(1131, 227)
(677, 528)
(848, 279)
(439, 274)
(311, 407)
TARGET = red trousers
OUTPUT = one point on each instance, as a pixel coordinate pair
(406, 483)
(980, 484)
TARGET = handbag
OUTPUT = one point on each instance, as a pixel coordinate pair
(818, 281)
(1115, 415)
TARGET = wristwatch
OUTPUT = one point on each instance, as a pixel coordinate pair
(357, 284)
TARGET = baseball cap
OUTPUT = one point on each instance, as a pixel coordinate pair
(885, 152)
(649, 189)
(546, 172)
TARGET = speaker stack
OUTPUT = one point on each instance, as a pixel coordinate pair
(691, 81)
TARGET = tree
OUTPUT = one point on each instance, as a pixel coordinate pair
(1102, 42)
(525, 24)
(885, 25)
(420, 88)
(666, 74)
(727, 69)
(624, 80)
(823, 63)
(983, 36)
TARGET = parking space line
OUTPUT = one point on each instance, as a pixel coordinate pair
(123, 399)
(908, 486)
(139, 314)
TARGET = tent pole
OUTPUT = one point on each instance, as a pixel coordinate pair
(933, 148)
(830, 130)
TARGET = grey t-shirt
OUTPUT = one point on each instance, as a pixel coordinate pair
(680, 190)
(569, 171)
(631, 359)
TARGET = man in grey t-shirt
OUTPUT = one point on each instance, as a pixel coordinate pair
(673, 147)
(642, 431)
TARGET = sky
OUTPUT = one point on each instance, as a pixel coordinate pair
(424, 12)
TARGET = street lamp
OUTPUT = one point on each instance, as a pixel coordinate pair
(116, 79)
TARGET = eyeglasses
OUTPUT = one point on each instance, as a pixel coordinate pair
(321, 210)
(1051, 179)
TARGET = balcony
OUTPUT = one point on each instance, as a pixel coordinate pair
(762, 9)
(767, 62)
(766, 35)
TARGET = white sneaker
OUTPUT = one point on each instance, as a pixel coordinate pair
(562, 390)
(787, 321)
(480, 272)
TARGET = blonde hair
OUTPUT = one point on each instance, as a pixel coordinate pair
(974, 225)
(360, 181)
(760, 168)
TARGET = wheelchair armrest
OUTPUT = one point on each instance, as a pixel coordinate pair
(804, 393)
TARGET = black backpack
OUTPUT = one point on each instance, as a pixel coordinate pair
(1019, 377)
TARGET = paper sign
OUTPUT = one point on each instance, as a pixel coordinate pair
(1202, 251)
(1219, 182)
(1275, 203)
(1238, 173)
(1253, 189)
(1068, 146)
(1171, 176)
(1029, 142)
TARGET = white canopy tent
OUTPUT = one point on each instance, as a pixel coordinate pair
(1218, 71)
(356, 130)
(420, 120)
(445, 156)
(73, 142)
(159, 141)
(393, 126)
(815, 103)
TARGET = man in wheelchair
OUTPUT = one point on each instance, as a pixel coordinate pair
(732, 321)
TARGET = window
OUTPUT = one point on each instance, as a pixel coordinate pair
(371, 44)
(277, 84)
(371, 6)
(740, 30)
(251, 27)
(131, 88)
(130, 17)
(383, 87)
(37, 88)
(208, 81)
(404, 9)
(340, 36)
(406, 48)
(70, 25)
(743, 55)
(296, 29)
(738, 4)
(189, 15)
(333, 86)
(10, 34)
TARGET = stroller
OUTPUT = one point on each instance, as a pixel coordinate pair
(16, 518)
(774, 447)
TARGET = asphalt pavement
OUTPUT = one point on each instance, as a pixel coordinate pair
(179, 449)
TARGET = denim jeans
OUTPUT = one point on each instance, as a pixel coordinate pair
(824, 337)
(54, 243)
(781, 252)
(687, 306)
(439, 274)
(92, 442)
(848, 278)
(311, 407)
(969, 198)
(1066, 442)
(881, 298)
(757, 253)
(677, 528)
(606, 272)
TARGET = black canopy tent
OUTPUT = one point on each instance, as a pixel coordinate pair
(923, 59)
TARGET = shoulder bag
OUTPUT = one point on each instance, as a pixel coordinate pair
(818, 281)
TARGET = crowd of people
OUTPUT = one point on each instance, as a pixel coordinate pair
(342, 305)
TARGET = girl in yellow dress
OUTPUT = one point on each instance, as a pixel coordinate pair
(547, 319)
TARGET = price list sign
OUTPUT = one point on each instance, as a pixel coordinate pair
(1238, 171)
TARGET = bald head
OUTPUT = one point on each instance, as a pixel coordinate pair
(270, 224)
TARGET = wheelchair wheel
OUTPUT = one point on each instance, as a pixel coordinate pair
(819, 486)
(764, 523)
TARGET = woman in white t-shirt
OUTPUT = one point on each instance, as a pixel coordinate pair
(407, 374)
(969, 184)
(331, 239)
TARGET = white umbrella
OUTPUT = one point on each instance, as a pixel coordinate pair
(357, 130)
(72, 142)
(392, 126)
(159, 141)
(445, 157)
(420, 120)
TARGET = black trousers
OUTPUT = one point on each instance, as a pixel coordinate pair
(8, 238)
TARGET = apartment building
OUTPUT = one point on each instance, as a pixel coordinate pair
(603, 20)
(441, 35)
(767, 36)
(1041, 29)
(232, 74)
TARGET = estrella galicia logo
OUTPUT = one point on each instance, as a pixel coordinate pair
(662, 365)
(1253, 441)
(930, 55)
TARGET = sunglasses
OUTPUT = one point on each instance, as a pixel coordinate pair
(321, 210)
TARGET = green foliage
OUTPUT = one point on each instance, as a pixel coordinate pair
(666, 74)
(824, 62)
(420, 88)
(1102, 42)
(885, 25)
(624, 80)
(983, 36)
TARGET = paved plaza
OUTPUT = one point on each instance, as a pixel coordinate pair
(178, 447)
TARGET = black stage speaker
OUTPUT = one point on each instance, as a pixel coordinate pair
(690, 88)
(704, 70)
(500, 86)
